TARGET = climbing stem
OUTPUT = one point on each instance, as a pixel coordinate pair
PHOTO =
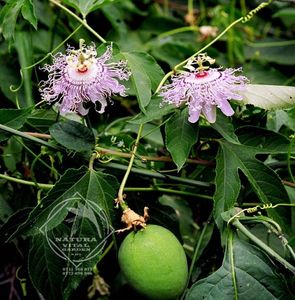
(120, 198)
(91, 160)
(232, 263)
(262, 245)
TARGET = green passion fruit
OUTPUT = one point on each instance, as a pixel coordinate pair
(154, 263)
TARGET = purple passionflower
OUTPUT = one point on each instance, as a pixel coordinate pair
(80, 76)
(204, 88)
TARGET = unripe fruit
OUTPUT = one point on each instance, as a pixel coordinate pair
(154, 263)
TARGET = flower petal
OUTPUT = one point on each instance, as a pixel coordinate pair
(194, 115)
(226, 108)
(209, 111)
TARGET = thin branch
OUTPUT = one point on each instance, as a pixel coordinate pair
(153, 174)
(285, 182)
(27, 136)
(38, 135)
(43, 186)
(143, 158)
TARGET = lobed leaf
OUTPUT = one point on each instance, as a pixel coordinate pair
(78, 206)
(245, 273)
(264, 181)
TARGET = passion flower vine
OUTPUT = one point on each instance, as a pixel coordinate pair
(81, 77)
(203, 89)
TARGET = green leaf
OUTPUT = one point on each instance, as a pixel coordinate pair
(45, 268)
(225, 127)
(28, 12)
(8, 17)
(154, 111)
(264, 181)
(86, 6)
(74, 184)
(181, 135)
(42, 119)
(265, 140)
(245, 273)
(73, 136)
(146, 74)
(227, 183)
(12, 154)
(78, 208)
(13, 222)
(10, 12)
(269, 96)
(13, 118)
(151, 67)
(276, 119)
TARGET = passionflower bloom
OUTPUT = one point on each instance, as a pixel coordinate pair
(203, 89)
(80, 77)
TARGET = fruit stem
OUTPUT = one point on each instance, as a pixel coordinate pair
(120, 199)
